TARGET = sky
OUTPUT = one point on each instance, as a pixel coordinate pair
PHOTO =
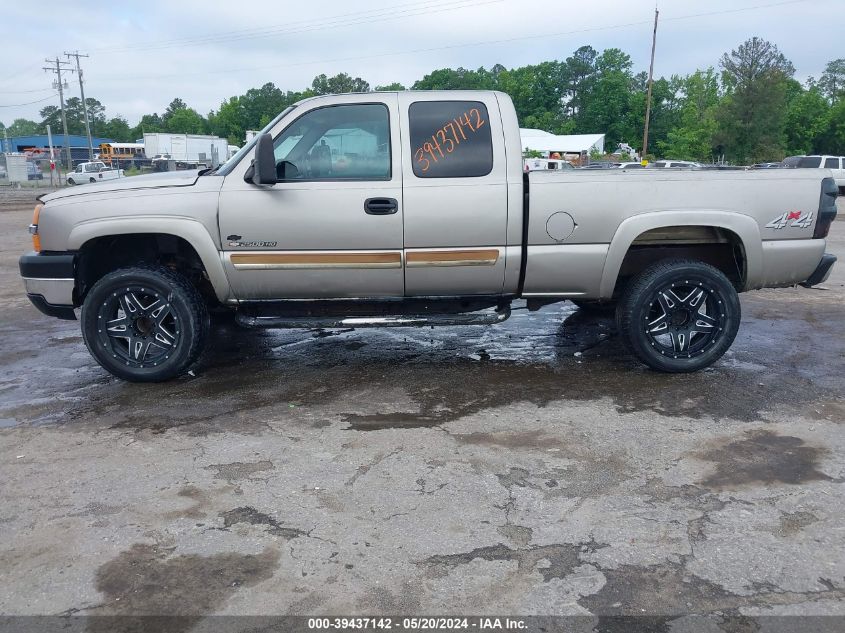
(143, 54)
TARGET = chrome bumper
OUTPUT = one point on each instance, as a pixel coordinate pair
(54, 291)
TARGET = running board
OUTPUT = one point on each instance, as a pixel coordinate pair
(404, 320)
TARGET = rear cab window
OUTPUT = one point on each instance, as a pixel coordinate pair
(809, 162)
(450, 139)
(831, 163)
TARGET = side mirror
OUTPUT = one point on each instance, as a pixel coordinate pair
(263, 168)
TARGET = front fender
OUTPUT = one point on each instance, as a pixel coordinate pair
(187, 228)
(744, 226)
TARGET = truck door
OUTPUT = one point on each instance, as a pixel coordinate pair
(455, 194)
(332, 228)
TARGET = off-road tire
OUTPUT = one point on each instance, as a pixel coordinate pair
(681, 332)
(163, 313)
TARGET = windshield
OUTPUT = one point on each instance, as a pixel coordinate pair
(226, 167)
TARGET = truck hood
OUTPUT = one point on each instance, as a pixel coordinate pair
(147, 181)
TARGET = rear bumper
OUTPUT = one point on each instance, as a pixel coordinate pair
(822, 271)
(49, 282)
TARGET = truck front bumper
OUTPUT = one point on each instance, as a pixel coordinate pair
(49, 282)
(822, 271)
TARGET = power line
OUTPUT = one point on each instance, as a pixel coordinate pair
(345, 19)
(23, 92)
(447, 47)
(18, 105)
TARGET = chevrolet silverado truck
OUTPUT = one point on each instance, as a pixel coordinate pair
(412, 209)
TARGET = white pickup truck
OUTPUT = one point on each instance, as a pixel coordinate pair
(834, 164)
(92, 172)
(411, 209)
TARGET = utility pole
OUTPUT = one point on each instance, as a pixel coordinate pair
(58, 68)
(52, 158)
(650, 83)
(77, 55)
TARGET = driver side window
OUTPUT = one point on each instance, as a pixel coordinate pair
(344, 142)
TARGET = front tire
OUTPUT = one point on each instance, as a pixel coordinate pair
(145, 324)
(71, 181)
(679, 315)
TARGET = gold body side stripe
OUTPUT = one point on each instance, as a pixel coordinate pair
(420, 259)
(277, 261)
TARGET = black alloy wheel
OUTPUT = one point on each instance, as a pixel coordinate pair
(679, 315)
(144, 324)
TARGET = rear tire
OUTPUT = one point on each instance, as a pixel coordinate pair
(679, 315)
(92, 180)
(145, 324)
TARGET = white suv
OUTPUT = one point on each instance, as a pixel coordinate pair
(836, 164)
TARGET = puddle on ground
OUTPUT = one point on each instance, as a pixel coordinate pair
(148, 580)
(762, 457)
(253, 377)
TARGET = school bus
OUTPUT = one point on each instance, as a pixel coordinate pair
(112, 153)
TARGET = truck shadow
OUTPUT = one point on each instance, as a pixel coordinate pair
(449, 373)
(371, 379)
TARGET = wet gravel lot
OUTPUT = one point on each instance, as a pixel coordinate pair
(527, 468)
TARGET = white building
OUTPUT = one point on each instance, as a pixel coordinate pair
(570, 146)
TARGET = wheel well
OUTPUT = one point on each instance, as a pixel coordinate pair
(101, 255)
(713, 245)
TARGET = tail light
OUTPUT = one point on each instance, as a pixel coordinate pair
(827, 208)
(33, 228)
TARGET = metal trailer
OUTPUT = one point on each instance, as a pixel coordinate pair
(187, 148)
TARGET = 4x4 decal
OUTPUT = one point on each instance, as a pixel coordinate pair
(793, 219)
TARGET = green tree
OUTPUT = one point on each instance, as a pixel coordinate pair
(832, 82)
(338, 84)
(691, 138)
(394, 87)
(51, 115)
(807, 121)
(148, 123)
(832, 141)
(608, 106)
(578, 76)
(22, 127)
(186, 121)
(117, 128)
(456, 79)
(752, 115)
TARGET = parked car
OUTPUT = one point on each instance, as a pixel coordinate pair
(412, 209)
(767, 166)
(674, 164)
(629, 165)
(33, 171)
(599, 165)
(92, 172)
(836, 164)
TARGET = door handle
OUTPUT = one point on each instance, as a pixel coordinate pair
(381, 206)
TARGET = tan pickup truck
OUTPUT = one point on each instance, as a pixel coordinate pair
(408, 209)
